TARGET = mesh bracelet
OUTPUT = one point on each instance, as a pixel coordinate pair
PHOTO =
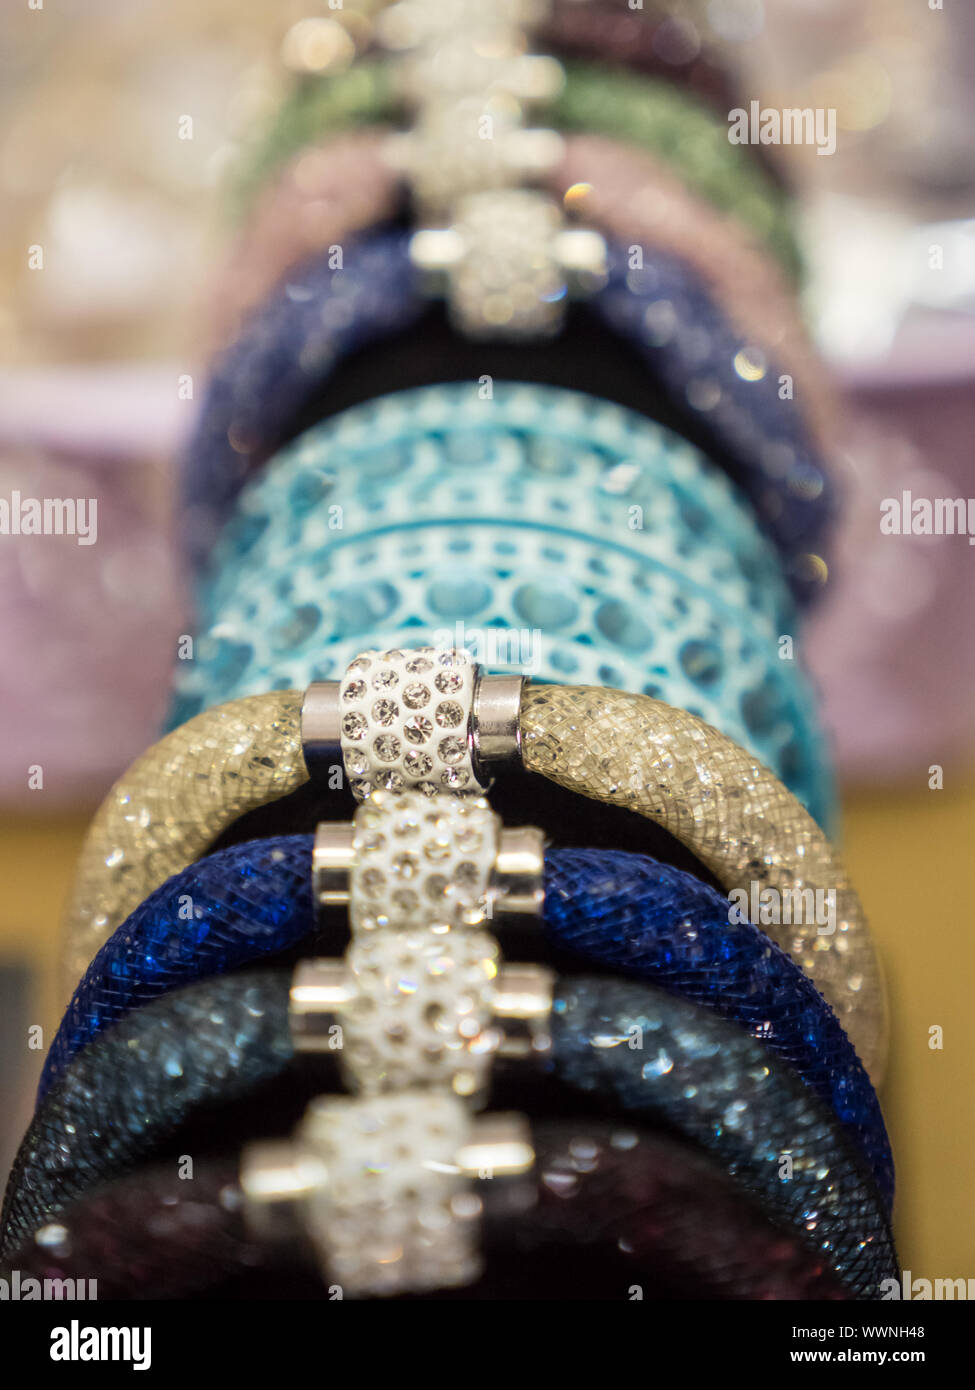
(659, 1211)
(625, 912)
(343, 185)
(726, 395)
(650, 1053)
(625, 750)
(638, 110)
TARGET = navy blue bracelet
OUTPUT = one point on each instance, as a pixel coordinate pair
(623, 911)
(292, 344)
(658, 1057)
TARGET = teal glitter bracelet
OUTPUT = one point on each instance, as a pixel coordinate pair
(640, 111)
(551, 532)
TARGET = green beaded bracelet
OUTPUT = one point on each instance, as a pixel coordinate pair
(642, 111)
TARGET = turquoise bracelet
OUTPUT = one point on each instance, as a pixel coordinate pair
(548, 531)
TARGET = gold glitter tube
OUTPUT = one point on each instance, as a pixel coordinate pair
(171, 805)
(731, 812)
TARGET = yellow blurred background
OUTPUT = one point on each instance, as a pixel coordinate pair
(910, 851)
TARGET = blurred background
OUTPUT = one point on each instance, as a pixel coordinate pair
(98, 339)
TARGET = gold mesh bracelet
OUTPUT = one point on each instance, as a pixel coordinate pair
(171, 805)
(733, 814)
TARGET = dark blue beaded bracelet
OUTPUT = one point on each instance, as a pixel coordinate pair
(623, 911)
(265, 382)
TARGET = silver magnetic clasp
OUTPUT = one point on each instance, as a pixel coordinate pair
(384, 1188)
(424, 719)
(517, 881)
(508, 264)
(517, 1000)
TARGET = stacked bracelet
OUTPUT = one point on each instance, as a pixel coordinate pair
(495, 197)
(635, 110)
(621, 749)
(274, 370)
(653, 1054)
(583, 541)
(344, 185)
(624, 912)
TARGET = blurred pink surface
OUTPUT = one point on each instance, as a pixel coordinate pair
(892, 647)
(88, 632)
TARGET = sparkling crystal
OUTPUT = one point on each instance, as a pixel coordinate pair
(417, 729)
(449, 714)
(436, 887)
(437, 850)
(418, 764)
(406, 865)
(451, 750)
(385, 711)
(454, 777)
(386, 748)
(417, 695)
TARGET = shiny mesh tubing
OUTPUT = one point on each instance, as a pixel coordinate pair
(707, 1079)
(625, 911)
(249, 901)
(320, 199)
(669, 1213)
(635, 198)
(740, 821)
(151, 1234)
(171, 805)
(652, 1054)
(653, 922)
(206, 1045)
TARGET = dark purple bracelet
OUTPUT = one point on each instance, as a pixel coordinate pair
(659, 45)
(614, 1213)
